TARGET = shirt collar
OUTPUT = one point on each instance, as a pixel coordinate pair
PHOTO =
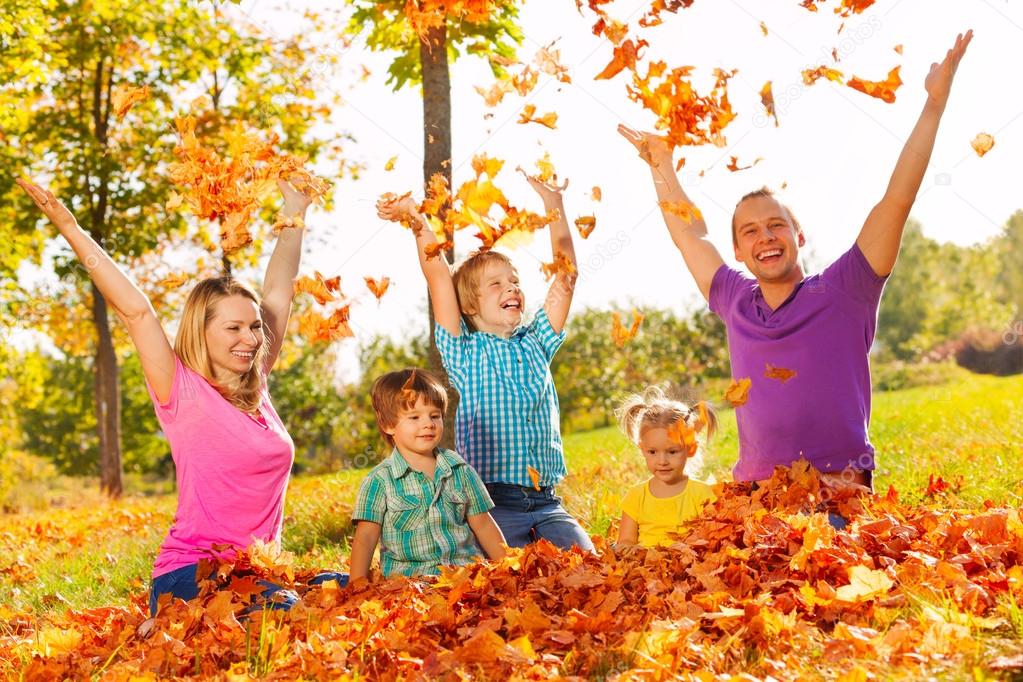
(446, 463)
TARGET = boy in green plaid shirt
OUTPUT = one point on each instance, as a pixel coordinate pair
(508, 420)
(423, 505)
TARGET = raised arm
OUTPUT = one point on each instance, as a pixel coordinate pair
(435, 269)
(690, 236)
(881, 236)
(279, 280)
(127, 300)
(559, 296)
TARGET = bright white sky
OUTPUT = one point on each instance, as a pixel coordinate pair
(835, 147)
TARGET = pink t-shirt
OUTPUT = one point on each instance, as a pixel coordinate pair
(232, 471)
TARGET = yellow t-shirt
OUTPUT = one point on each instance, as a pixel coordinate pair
(658, 516)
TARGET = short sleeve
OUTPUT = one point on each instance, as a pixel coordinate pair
(371, 502)
(182, 388)
(453, 349)
(632, 502)
(479, 497)
(724, 287)
(542, 331)
(852, 274)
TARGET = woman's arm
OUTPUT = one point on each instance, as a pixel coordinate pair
(488, 534)
(435, 270)
(367, 535)
(126, 299)
(279, 280)
(559, 296)
(699, 253)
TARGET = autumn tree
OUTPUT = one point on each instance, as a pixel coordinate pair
(428, 36)
(109, 170)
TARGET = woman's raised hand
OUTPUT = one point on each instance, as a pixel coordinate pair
(652, 148)
(57, 212)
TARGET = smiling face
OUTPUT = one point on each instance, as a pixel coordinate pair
(418, 429)
(499, 301)
(234, 334)
(665, 458)
(767, 240)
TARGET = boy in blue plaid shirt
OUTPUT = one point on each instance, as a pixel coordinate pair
(424, 505)
(507, 424)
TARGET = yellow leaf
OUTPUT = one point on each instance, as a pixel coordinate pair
(389, 166)
(864, 583)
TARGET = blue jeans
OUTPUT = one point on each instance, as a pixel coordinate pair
(182, 583)
(525, 515)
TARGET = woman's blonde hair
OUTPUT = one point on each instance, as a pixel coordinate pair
(467, 278)
(657, 407)
(243, 391)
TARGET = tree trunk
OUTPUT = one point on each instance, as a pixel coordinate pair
(433, 55)
(108, 400)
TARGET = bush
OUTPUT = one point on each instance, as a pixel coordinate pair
(24, 480)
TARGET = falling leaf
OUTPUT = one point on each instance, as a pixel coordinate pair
(545, 169)
(684, 435)
(763, 28)
(389, 166)
(738, 391)
(323, 290)
(767, 99)
(407, 396)
(534, 476)
(621, 335)
(125, 97)
(378, 287)
(528, 115)
(596, 194)
(685, 116)
(734, 166)
(485, 165)
(898, 49)
(625, 57)
(883, 90)
(317, 328)
(174, 201)
(779, 373)
(585, 225)
(681, 209)
(560, 267)
(173, 281)
(982, 143)
(811, 76)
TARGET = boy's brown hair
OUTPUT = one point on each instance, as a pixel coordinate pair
(467, 278)
(396, 392)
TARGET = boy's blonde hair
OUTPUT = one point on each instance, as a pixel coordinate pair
(467, 278)
(244, 391)
(396, 392)
(767, 193)
(657, 407)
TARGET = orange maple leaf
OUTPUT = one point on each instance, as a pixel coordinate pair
(681, 209)
(982, 143)
(534, 476)
(683, 434)
(738, 391)
(378, 287)
(780, 373)
(561, 266)
(596, 194)
(585, 225)
(323, 290)
(528, 115)
(317, 328)
(811, 76)
(621, 335)
(734, 166)
(625, 57)
(173, 281)
(767, 99)
(883, 90)
(125, 97)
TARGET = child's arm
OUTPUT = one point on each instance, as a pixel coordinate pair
(488, 534)
(700, 255)
(367, 535)
(881, 236)
(279, 280)
(435, 270)
(127, 300)
(559, 296)
(628, 530)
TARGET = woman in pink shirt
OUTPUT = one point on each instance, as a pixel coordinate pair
(232, 454)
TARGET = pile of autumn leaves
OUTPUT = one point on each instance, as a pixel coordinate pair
(761, 584)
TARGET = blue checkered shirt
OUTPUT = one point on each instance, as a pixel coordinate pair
(508, 417)
(424, 522)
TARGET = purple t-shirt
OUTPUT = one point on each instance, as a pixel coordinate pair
(823, 332)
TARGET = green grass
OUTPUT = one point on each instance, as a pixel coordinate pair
(967, 431)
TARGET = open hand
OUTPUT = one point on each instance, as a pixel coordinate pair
(939, 81)
(398, 209)
(57, 212)
(549, 191)
(652, 148)
(295, 202)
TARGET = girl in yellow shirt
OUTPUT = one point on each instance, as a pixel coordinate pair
(666, 432)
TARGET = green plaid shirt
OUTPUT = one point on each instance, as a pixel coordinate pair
(424, 522)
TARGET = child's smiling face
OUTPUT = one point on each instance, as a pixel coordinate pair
(665, 457)
(500, 303)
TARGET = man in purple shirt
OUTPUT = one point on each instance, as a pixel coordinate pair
(821, 326)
